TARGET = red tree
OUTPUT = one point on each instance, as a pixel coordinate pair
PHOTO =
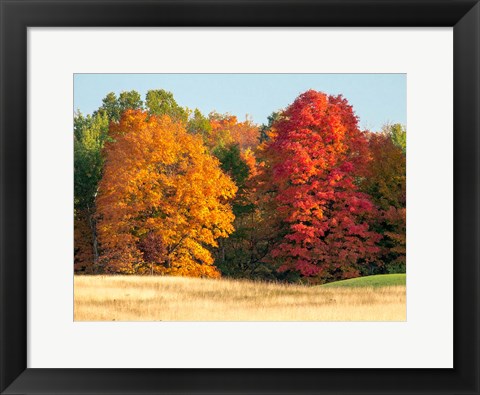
(313, 163)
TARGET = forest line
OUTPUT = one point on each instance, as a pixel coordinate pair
(309, 197)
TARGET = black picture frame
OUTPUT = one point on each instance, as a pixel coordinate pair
(17, 15)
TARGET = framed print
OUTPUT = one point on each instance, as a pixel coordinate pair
(155, 239)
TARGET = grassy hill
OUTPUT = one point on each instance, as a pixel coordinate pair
(380, 280)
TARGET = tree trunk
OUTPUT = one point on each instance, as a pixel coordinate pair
(93, 228)
(223, 252)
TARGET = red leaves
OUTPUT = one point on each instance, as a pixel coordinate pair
(320, 197)
(314, 160)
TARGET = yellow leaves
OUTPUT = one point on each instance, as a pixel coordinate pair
(165, 194)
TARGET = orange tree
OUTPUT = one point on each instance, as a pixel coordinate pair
(385, 182)
(385, 173)
(225, 130)
(162, 199)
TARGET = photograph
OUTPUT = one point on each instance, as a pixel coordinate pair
(240, 197)
(209, 205)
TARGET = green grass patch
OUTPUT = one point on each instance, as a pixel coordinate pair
(380, 280)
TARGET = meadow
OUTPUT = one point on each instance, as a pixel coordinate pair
(172, 207)
(167, 298)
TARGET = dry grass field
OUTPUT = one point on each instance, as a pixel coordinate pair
(143, 298)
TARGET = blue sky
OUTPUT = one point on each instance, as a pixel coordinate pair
(376, 98)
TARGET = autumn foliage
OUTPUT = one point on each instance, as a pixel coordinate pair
(161, 200)
(313, 161)
(83, 252)
(161, 189)
(385, 174)
(226, 130)
(385, 181)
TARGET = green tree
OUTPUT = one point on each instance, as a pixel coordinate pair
(232, 164)
(114, 106)
(161, 102)
(130, 100)
(110, 106)
(90, 134)
(199, 124)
